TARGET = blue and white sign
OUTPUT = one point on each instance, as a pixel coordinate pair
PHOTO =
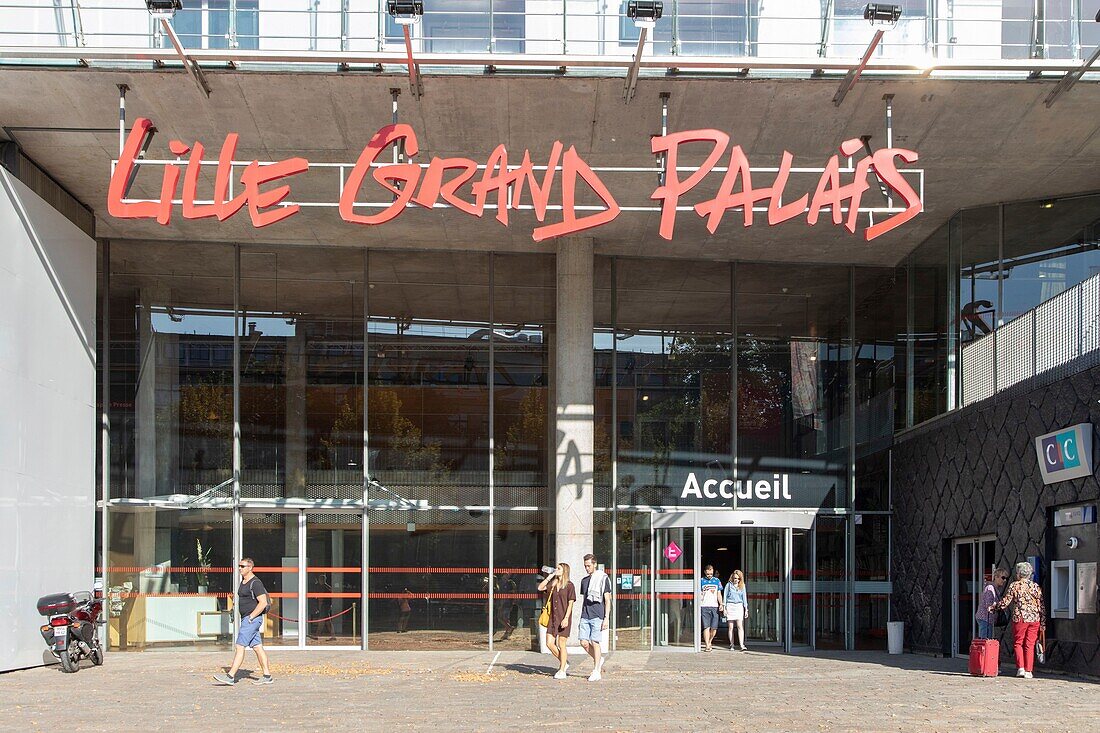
(1065, 454)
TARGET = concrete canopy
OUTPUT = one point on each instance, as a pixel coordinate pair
(980, 142)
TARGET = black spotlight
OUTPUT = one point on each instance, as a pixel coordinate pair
(405, 12)
(163, 7)
(882, 13)
(642, 10)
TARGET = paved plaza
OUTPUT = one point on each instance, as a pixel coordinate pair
(447, 691)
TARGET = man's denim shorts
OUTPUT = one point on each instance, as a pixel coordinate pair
(251, 633)
(710, 617)
(590, 629)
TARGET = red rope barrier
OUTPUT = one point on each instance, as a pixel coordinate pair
(310, 620)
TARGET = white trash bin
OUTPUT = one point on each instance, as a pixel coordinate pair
(895, 636)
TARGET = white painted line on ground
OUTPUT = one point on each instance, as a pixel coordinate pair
(490, 669)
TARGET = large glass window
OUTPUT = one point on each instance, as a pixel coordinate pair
(429, 579)
(931, 283)
(205, 24)
(673, 377)
(301, 342)
(523, 310)
(1049, 246)
(468, 26)
(171, 380)
(169, 577)
(792, 376)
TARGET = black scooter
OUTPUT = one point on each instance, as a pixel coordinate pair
(72, 632)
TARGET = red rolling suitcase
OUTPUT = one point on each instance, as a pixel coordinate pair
(985, 657)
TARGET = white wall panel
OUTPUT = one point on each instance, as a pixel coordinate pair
(47, 414)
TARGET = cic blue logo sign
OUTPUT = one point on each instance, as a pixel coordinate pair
(1065, 454)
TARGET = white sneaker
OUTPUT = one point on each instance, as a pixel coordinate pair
(595, 676)
(1020, 672)
(1028, 676)
(560, 674)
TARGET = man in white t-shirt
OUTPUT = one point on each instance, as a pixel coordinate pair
(710, 605)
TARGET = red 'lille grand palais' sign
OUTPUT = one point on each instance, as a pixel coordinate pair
(411, 183)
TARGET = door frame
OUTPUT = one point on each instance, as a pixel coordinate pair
(303, 562)
(979, 563)
(702, 519)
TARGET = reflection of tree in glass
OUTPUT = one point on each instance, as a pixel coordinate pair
(527, 433)
(402, 443)
(205, 416)
(762, 389)
(692, 411)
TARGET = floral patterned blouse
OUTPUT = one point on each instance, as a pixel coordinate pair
(1026, 599)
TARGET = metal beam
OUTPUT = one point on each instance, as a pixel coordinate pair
(635, 66)
(534, 61)
(189, 63)
(1066, 82)
(852, 76)
(415, 84)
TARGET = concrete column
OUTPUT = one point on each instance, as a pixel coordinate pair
(573, 403)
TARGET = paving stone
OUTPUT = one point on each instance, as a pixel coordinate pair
(458, 691)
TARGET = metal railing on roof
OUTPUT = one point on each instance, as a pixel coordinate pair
(1060, 334)
(322, 30)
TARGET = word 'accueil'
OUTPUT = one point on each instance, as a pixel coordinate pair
(741, 488)
(443, 179)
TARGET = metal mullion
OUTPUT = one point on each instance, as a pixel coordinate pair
(788, 564)
(733, 381)
(850, 617)
(813, 586)
(614, 611)
(365, 554)
(492, 462)
(238, 524)
(696, 559)
(303, 561)
(105, 421)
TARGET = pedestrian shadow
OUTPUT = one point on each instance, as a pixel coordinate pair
(529, 669)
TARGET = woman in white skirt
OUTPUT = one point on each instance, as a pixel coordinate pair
(737, 608)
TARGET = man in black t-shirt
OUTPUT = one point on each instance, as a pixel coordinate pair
(252, 604)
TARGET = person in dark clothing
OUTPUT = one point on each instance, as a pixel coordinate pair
(252, 602)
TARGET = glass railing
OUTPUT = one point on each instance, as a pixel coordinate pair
(929, 33)
(1062, 333)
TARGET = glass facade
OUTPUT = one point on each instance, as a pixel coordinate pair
(374, 429)
(980, 271)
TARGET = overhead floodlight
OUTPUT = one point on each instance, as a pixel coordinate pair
(644, 13)
(882, 14)
(405, 12)
(163, 7)
(879, 14)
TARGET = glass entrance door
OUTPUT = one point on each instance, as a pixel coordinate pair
(766, 581)
(334, 579)
(674, 588)
(972, 562)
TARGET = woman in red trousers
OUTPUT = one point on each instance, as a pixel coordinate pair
(1028, 616)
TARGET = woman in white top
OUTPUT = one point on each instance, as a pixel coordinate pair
(737, 608)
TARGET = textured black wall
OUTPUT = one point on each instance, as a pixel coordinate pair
(975, 472)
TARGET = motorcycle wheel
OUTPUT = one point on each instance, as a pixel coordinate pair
(97, 655)
(68, 666)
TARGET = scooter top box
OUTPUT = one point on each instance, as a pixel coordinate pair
(57, 604)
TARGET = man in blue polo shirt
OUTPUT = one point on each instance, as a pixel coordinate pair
(710, 605)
